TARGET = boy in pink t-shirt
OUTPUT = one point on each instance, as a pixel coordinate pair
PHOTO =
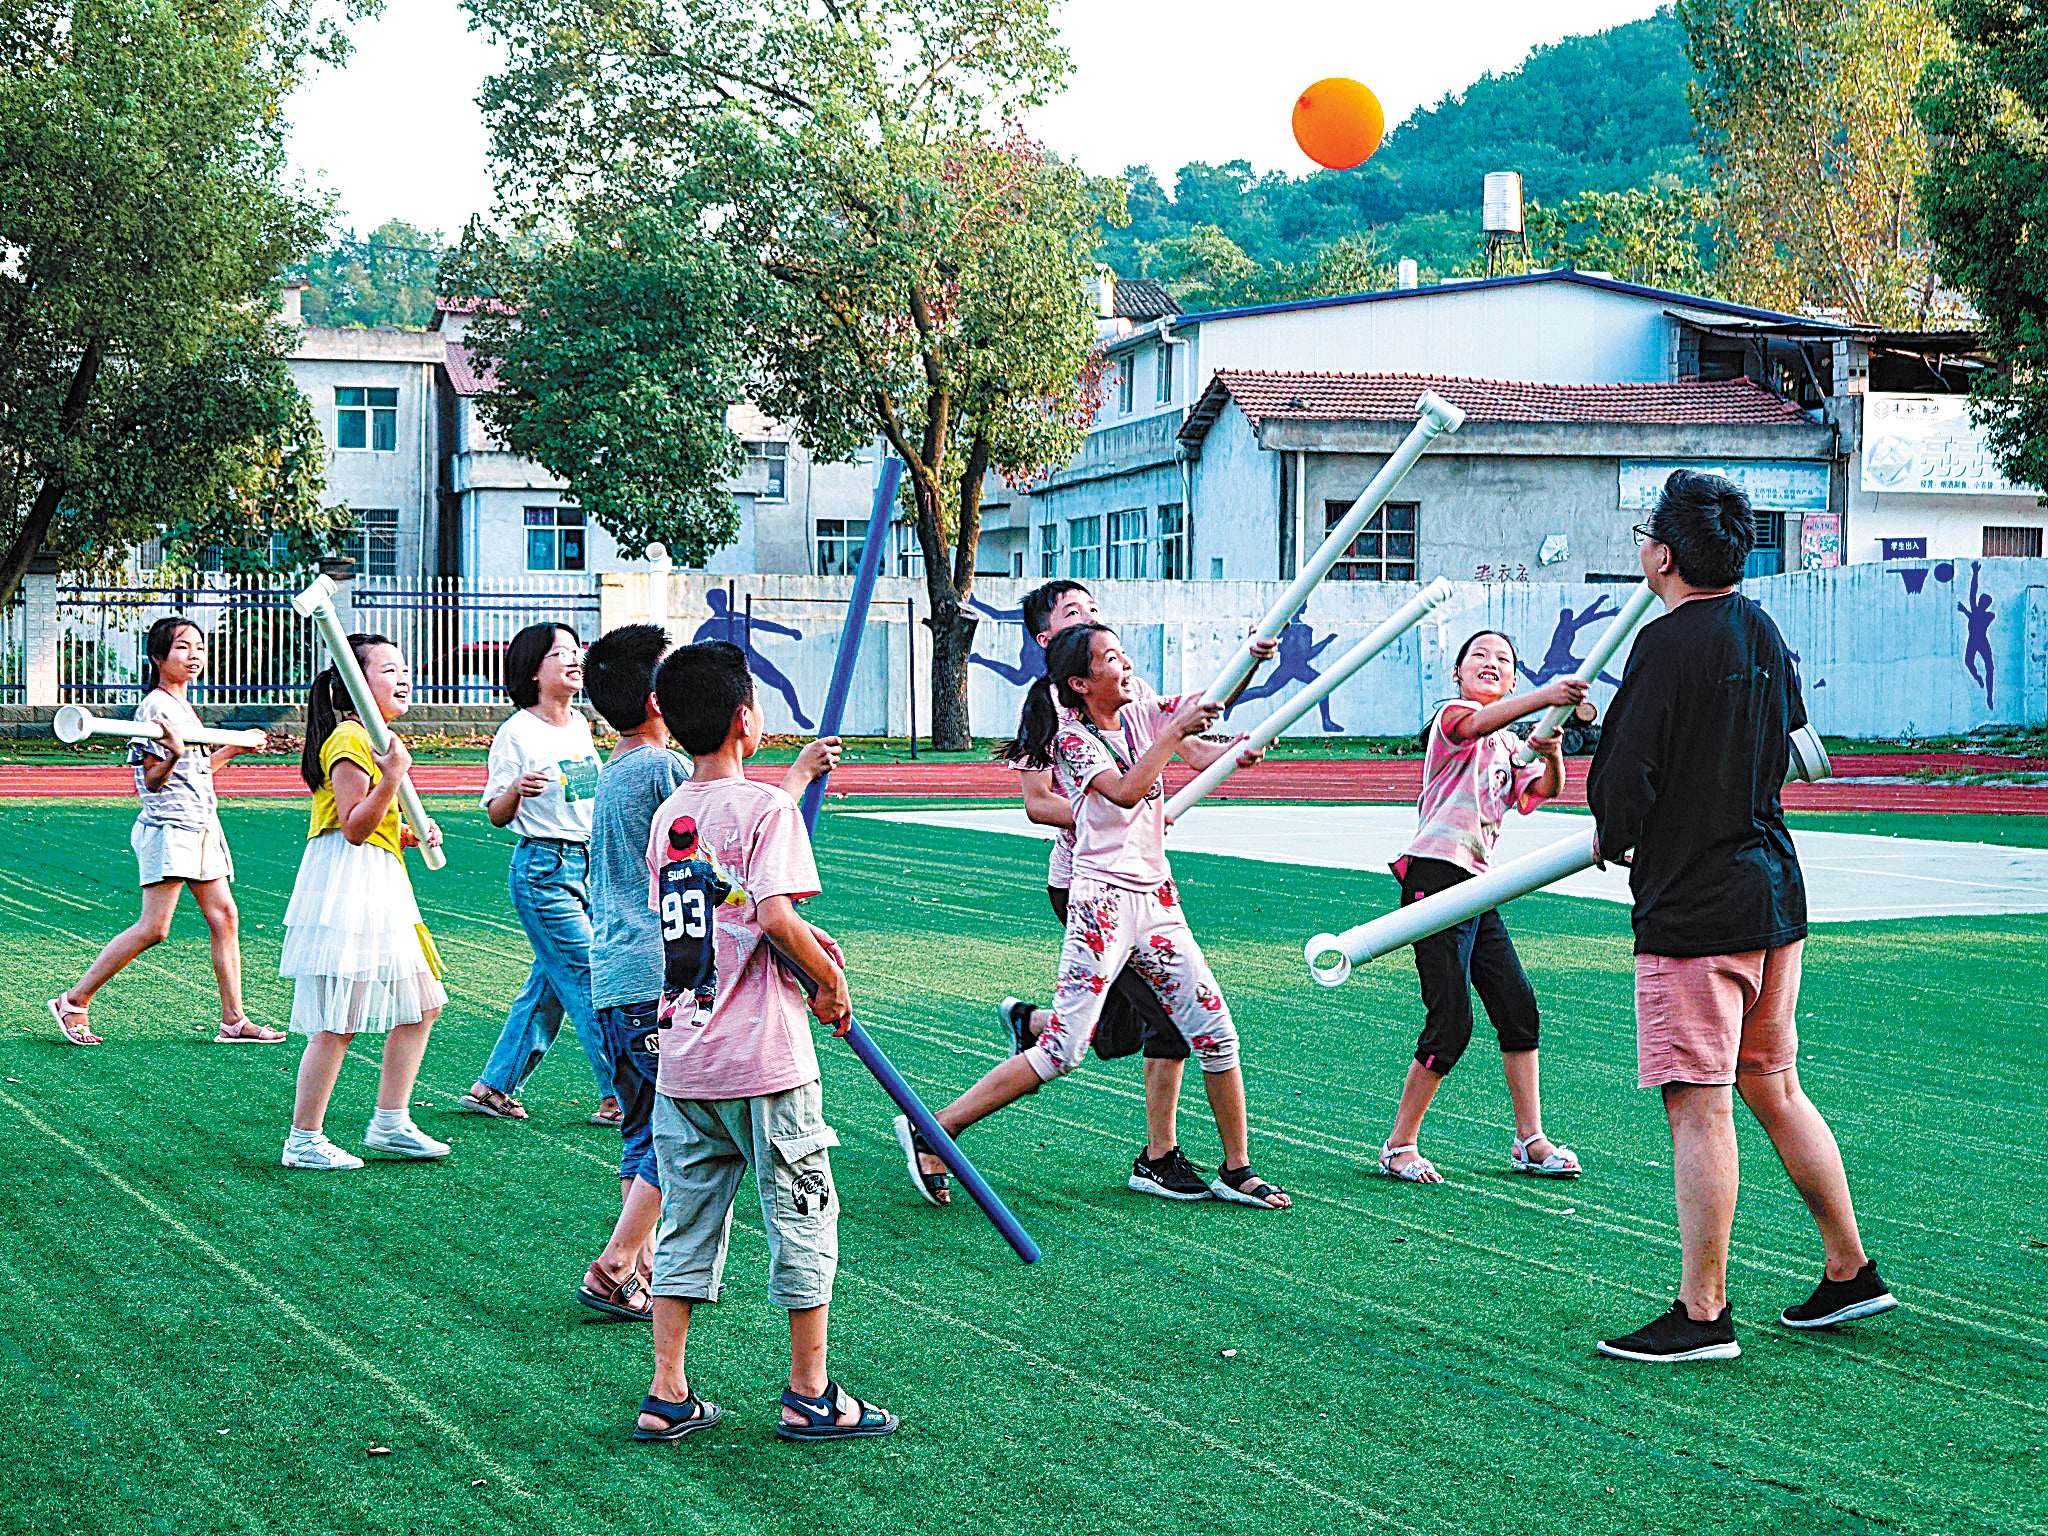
(1469, 783)
(737, 1086)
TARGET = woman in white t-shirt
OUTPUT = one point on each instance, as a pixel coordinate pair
(542, 783)
(178, 842)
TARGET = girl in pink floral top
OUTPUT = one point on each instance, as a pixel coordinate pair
(1107, 756)
(1469, 784)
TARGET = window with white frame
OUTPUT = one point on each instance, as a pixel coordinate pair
(373, 542)
(773, 458)
(555, 538)
(1129, 545)
(1173, 543)
(909, 553)
(1084, 547)
(1384, 549)
(366, 418)
(1162, 384)
(1126, 377)
(1048, 549)
(839, 546)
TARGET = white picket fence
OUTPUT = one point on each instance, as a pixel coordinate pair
(453, 630)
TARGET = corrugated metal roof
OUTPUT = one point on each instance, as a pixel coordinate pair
(1438, 290)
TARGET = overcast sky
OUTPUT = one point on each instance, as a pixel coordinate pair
(397, 133)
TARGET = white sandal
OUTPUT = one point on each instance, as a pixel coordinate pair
(1560, 1163)
(1421, 1171)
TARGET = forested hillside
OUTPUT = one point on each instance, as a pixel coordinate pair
(1604, 112)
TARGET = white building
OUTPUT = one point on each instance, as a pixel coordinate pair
(436, 494)
(1147, 495)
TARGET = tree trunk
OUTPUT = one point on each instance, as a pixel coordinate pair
(50, 494)
(952, 628)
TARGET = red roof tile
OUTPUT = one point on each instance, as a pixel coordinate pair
(1266, 396)
(466, 376)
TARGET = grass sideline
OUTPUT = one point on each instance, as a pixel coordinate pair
(192, 1340)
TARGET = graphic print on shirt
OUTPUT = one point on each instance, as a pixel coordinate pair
(692, 888)
(579, 778)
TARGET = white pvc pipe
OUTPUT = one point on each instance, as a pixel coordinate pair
(74, 722)
(1268, 730)
(1437, 415)
(317, 603)
(1619, 629)
(1331, 956)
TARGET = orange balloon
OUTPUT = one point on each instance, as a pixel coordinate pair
(1338, 123)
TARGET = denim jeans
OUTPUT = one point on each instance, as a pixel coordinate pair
(551, 893)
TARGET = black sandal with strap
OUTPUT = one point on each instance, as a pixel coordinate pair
(821, 1416)
(678, 1419)
(1244, 1187)
(935, 1188)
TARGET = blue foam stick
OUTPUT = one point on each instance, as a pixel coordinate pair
(870, 1054)
(856, 623)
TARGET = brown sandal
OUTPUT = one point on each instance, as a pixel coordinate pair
(494, 1102)
(625, 1298)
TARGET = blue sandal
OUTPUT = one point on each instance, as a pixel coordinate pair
(821, 1416)
(685, 1418)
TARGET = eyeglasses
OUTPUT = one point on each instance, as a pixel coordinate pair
(561, 655)
(1643, 534)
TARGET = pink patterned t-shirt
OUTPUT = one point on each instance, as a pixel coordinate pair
(1118, 846)
(1059, 872)
(1468, 788)
(757, 1038)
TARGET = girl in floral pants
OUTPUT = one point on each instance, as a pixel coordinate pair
(1107, 753)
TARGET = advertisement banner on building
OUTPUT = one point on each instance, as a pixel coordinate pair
(1926, 445)
(1820, 540)
(1781, 485)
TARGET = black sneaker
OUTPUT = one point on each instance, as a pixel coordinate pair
(1675, 1336)
(1842, 1301)
(1016, 1016)
(1170, 1176)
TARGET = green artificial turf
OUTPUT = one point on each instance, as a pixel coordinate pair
(194, 1340)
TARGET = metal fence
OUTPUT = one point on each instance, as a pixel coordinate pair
(452, 629)
(14, 649)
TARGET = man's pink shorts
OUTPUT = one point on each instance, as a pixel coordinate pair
(1707, 1019)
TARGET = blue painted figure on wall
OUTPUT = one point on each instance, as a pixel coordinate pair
(738, 629)
(1030, 657)
(1295, 665)
(1559, 660)
(1978, 614)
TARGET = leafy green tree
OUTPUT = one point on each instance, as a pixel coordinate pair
(1985, 199)
(1805, 108)
(1651, 235)
(927, 280)
(385, 278)
(1204, 269)
(616, 352)
(233, 466)
(145, 202)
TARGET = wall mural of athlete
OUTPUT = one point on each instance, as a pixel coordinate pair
(738, 629)
(1296, 664)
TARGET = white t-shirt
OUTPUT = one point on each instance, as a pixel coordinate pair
(525, 744)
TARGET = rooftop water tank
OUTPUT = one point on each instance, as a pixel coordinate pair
(1500, 205)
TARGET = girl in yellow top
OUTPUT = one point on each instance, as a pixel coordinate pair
(358, 958)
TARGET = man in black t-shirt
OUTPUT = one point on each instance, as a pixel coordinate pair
(1691, 758)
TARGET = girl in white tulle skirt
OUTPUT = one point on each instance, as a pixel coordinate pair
(359, 959)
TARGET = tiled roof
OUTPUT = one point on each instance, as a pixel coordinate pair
(465, 374)
(1142, 299)
(1264, 396)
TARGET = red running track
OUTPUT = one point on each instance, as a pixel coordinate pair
(1337, 780)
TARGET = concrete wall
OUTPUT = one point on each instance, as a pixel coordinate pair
(402, 479)
(1883, 650)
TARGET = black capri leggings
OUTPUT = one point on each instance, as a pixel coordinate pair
(1476, 953)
